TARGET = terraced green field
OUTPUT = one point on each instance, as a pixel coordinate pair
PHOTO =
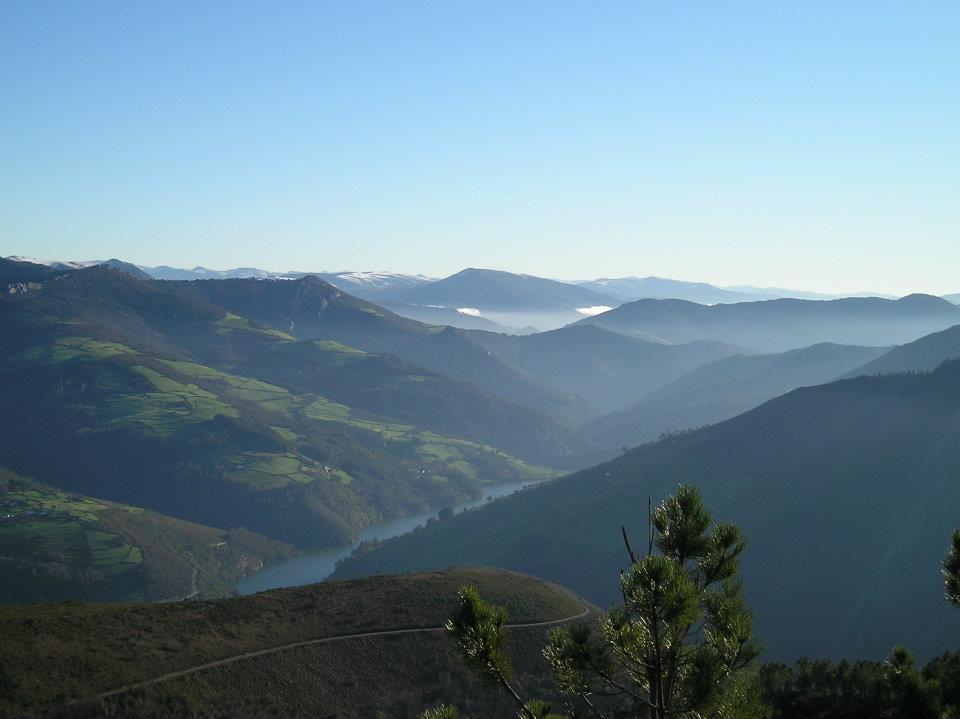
(68, 348)
(167, 407)
(57, 545)
(235, 323)
(336, 354)
(64, 536)
(170, 396)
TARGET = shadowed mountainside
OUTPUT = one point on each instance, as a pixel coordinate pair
(921, 355)
(606, 368)
(846, 491)
(725, 388)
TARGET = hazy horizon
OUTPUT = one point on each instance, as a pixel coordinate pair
(808, 146)
(277, 268)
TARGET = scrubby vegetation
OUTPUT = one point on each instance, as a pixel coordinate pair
(56, 653)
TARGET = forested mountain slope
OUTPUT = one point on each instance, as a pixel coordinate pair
(725, 388)
(608, 369)
(848, 493)
(918, 356)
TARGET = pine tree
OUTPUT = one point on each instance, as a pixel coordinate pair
(917, 697)
(679, 646)
(481, 639)
(951, 569)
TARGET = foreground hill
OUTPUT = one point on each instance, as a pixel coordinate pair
(127, 401)
(725, 388)
(921, 355)
(57, 545)
(848, 493)
(608, 369)
(312, 308)
(56, 654)
(778, 325)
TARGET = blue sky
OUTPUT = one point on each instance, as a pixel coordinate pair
(802, 144)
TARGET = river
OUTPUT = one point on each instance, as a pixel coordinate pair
(317, 565)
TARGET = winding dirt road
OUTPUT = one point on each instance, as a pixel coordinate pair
(309, 642)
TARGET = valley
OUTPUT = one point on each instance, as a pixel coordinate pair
(180, 442)
(501, 360)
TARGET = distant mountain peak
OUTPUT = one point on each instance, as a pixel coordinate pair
(127, 267)
(920, 299)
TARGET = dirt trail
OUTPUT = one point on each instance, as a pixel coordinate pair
(309, 642)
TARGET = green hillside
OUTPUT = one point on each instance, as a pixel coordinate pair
(385, 386)
(51, 655)
(224, 449)
(60, 545)
(131, 398)
(310, 308)
(847, 492)
(153, 318)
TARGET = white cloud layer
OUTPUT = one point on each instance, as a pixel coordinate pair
(472, 311)
(594, 310)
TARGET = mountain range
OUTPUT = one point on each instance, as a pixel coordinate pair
(302, 413)
(494, 290)
(311, 308)
(605, 368)
(638, 288)
(779, 325)
(144, 395)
